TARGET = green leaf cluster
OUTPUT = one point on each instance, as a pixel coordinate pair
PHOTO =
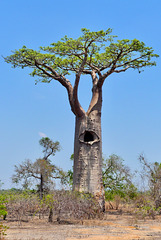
(99, 49)
(117, 179)
(3, 209)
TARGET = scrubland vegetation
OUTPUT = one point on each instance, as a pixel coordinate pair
(42, 201)
(62, 206)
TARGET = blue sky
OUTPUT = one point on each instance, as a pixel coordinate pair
(131, 114)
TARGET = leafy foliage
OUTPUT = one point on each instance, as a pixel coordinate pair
(3, 213)
(50, 147)
(68, 178)
(3, 210)
(93, 51)
(117, 179)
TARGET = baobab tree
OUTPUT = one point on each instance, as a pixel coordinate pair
(97, 55)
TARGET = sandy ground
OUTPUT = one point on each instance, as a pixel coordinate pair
(115, 227)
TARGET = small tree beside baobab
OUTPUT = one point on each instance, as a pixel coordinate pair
(97, 55)
(41, 170)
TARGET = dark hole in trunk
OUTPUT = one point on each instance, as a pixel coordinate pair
(88, 137)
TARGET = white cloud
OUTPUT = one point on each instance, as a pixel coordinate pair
(41, 134)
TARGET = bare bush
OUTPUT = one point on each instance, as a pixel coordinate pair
(59, 204)
(72, 204)
(21, 206)
(145, 206)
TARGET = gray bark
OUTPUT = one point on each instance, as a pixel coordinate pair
(87, 175)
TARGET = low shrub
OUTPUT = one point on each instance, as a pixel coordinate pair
(3, 213)
(145, 206)
(72, 204)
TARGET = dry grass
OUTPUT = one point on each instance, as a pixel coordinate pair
(112, 227)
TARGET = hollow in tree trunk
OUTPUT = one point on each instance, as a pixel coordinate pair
(87, 175)
(97, 55)
(88, 156)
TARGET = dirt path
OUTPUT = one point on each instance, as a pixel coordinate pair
(114, 228)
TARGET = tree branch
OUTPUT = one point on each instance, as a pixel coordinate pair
(131, 61)
(77, 107)
(64, 81)
(44, 71)
(111, 70)
(96, 101)
(121, 70)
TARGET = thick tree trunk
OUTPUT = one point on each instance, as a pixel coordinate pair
(88, 156)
